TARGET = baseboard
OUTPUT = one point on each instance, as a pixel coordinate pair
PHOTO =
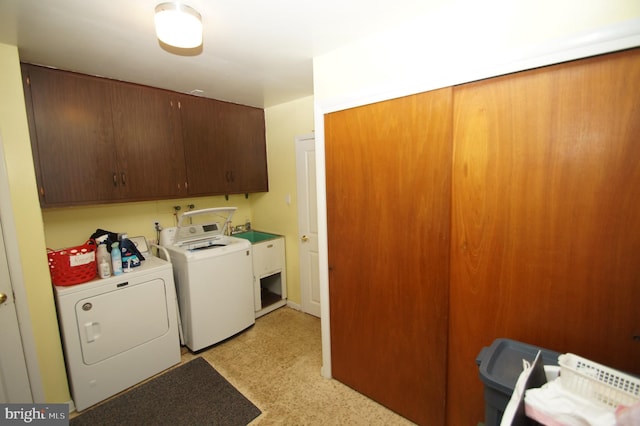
(293, 305)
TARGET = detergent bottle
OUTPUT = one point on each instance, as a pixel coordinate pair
(116, 258)
(103, 258)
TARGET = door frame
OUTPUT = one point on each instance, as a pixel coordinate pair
(598, 41)
(17, 283)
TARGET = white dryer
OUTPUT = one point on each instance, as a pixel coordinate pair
(213, 275)
(118, 331)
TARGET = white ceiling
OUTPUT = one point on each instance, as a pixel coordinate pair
(255, 52)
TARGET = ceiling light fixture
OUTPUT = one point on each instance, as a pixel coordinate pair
(178, 25)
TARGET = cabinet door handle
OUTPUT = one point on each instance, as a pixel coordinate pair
(115, 179)
(123, 178)
(304, 238)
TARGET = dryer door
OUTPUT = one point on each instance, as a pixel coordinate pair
(114, 322)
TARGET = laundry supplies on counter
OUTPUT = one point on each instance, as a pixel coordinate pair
(129, 254)
(104, 258)
(116, 258)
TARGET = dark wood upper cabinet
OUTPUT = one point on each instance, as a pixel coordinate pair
(244, 136)
(203, 147)
(225, 148)
(96, 140)
(72, 137)
(148, 144)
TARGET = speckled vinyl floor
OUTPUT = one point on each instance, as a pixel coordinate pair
(276, 364)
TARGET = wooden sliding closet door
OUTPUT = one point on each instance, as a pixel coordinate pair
(388, 208)
(546, 218)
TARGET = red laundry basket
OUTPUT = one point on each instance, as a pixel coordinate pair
(73, 265)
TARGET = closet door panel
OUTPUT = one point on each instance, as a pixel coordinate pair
(546, 218)
(388, 208)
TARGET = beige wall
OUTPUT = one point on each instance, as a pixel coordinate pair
(29, 227)
(271, 210)
(72, 226)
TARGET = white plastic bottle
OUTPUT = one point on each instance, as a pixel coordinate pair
(116, 258)
(103, 257)
(104, 267)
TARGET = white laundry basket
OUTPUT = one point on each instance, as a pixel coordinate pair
(598, 383)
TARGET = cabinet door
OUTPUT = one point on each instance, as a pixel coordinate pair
(148, 143)
(246, 159)
(546, 218)
(268, 257)
(388, 190)
(72, 139)
(204, 150)
(224, 145)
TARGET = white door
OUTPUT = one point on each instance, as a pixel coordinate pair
(308, 224)
(14, 380)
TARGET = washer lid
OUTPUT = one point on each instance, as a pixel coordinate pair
(202, 225)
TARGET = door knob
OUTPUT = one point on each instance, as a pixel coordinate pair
(304, 238)
(3, 298)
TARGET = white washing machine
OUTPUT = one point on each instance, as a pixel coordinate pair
(118, 331)
(213, 275)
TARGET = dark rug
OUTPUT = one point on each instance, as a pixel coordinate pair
(191, 394)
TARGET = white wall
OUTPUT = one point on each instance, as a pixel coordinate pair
(470, 40)
(465, 41)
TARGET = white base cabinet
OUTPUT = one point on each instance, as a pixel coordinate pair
(269, 275)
